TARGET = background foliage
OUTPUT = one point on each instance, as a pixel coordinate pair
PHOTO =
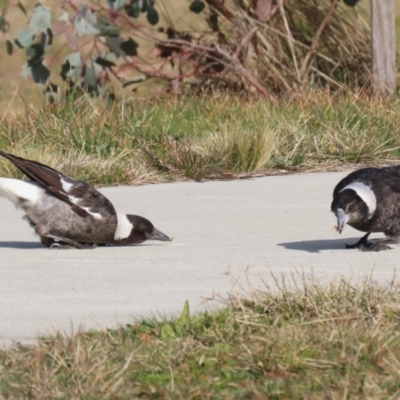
(269, 47)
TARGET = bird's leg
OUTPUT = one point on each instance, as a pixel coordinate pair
(52, 244)
(64, 243)
(47, 242)
(362, 244)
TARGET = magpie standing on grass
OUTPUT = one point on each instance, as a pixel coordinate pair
(369, 200)
(67, 213)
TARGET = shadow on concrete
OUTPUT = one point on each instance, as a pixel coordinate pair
(21, 245)
(315, 246)
(38, 245)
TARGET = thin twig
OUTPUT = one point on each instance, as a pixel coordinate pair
(289, 36)
(316, 39)
(231, 60)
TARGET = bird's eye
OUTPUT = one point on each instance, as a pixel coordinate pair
(350, 208)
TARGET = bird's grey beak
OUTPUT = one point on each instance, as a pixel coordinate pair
(158, 235)
(342, 219)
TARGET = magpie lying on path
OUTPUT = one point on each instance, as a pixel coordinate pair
(369, 200)
(67, 213)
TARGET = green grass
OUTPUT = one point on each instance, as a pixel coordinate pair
(304, 341)
(203, 138)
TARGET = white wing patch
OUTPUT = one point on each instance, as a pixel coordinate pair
(366, 193)
(66, 185)
(75, 200)
(93, 214)
(124, 227)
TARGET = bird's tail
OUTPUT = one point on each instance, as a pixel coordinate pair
(17, 190)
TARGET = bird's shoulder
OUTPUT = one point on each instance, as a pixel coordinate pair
(378, 179)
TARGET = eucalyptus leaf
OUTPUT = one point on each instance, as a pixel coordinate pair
(22, 8)
(25, 37)
(89, 77)
(134, 9)
(152, 16)
(51, 88)
(114, 44)
(104, 62)
(51, 94)
(40, 73)
(42, 39)
(9, 47)
(35, 52)
(107, 28)
(105, 58)
(73, 73)
(115, 4)
(91, 17)
(75, 60)
(50, 36)
(26, 71)
(49, 98)
(72, 67)
(41, 18)
(3, 24)
(64, 17)
(129, 47)
(197, 6)
(350, 3)
(109, 56)
(84, 28)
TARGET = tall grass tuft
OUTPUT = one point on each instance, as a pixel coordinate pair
(243, 145)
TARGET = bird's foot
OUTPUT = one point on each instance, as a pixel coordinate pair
(61, 246)
(364, 245)
(378, 246)
(55, 242)
(64, 246)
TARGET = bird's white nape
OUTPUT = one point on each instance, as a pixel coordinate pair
(124, 227)
(365, 193)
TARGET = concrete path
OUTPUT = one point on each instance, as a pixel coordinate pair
(226, 234)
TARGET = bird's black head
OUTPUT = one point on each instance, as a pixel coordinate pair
(144, 230)
(349, 208)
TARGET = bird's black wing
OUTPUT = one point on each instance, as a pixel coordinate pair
(83, 199)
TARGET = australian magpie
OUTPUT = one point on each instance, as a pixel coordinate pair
(68, 213)
(369, 200)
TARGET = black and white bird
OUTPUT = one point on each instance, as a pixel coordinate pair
(68, 213)
(369, 200)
